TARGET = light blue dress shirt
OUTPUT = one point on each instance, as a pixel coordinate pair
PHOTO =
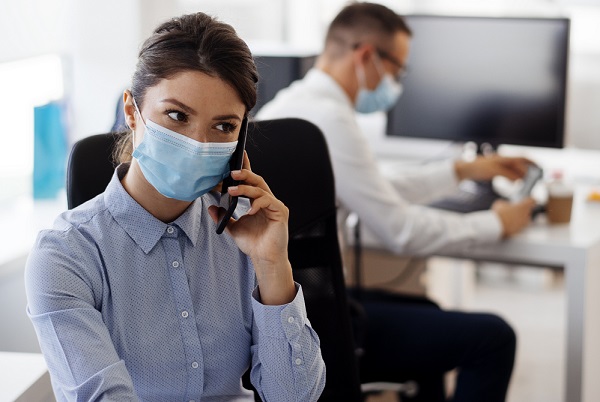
(127, 307)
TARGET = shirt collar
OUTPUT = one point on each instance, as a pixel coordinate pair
(145, 229)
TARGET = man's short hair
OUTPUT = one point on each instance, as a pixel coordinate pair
(363, 21)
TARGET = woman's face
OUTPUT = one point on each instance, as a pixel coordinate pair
(191, 103)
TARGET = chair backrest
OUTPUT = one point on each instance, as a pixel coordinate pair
(90, 168)
(292, 156)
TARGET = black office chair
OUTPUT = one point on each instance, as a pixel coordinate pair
(90, 168)
(293, 158)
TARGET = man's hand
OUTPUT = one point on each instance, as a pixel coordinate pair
(514, 216)
(484, 168)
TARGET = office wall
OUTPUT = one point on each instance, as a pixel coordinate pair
(97, 41)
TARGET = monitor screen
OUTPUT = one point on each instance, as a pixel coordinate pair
(484, 79)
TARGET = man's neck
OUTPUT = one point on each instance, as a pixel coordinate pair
(341, 72)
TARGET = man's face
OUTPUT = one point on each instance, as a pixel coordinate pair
(391, 57)
(395, 57)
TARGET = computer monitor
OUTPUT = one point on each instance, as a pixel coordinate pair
(277, 71)
(486, 80)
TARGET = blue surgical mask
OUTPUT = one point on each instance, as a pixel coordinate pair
(179, 167)
(382, 98)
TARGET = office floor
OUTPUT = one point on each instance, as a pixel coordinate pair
(532, 300)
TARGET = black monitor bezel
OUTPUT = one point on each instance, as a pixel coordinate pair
(558, 142)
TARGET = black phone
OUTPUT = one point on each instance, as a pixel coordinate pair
(533, 174)
(228, 202)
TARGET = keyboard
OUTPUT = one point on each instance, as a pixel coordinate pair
(471, 196)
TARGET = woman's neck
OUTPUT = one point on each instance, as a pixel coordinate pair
(161, 207)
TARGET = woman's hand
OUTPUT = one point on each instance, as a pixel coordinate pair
(262, 234)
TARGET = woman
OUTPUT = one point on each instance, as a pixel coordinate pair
(133, 294)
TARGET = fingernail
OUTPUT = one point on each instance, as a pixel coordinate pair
(236, 171)
(232, 188)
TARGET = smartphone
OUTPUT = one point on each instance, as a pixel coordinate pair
(228, 202)
(533, 174)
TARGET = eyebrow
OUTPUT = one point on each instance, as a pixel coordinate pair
(185, 107)
(189, 110)
(227, 117)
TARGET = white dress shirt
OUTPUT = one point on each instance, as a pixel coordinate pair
(382, 203)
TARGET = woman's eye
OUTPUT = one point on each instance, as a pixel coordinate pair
(177, 116)
(225, 127)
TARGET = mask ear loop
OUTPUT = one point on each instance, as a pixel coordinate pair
(381, 70)
(379, 65)
(360, 74)
(360, 71)
(141, 118)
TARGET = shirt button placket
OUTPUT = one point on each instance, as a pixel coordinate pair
(184, 308)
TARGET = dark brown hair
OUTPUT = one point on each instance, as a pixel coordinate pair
(360, 19)
(195, 42)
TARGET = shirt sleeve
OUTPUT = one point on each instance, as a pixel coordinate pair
(286, 357)
(402, 227)
(425, 183)
(77, 347)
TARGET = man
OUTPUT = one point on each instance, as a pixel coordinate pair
(365, 54)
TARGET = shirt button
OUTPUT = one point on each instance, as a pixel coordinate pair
(290, 319)
(195, 364)
(184, 314)
(175, 264)
(170, 229)
(298, 362)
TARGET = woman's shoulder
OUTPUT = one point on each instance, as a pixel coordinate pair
(69, 225)
(65, 258)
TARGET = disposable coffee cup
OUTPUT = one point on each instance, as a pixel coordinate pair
(560, 203)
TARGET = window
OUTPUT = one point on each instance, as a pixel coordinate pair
(25, 84)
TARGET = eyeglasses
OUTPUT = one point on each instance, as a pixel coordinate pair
(402, 69)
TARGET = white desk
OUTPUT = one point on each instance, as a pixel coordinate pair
(576, 248)
(24, 378)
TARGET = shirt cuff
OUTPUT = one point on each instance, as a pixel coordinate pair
(284, 321)
(487, 225)
(445, 174)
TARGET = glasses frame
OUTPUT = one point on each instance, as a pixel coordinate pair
(402, 68)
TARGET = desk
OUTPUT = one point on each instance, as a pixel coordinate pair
(24, 378)
(576, 248)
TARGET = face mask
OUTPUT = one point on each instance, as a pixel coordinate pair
(179, 167)
(382, 98)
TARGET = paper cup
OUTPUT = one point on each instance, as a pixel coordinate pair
(560, 203)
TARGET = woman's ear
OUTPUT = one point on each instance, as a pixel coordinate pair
(129, 109)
